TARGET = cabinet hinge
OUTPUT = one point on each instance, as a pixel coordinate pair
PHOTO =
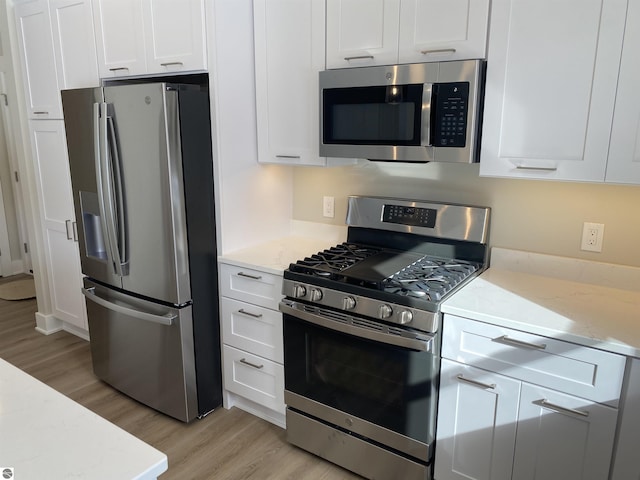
(26, 249)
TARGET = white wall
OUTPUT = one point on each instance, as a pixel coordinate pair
(538, 216)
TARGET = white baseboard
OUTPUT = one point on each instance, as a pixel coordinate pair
(78, 332)
(232, 400)
(47, 324)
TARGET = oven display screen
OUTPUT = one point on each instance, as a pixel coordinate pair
(413, 216)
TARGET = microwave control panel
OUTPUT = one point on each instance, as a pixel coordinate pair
(449, 106)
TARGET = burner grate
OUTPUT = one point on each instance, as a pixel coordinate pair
(334, 260)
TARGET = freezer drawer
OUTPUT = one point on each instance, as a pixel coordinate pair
(143, 349)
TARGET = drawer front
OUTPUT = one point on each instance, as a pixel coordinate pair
(252, 328)
(252, 286)
(254, 378)
(567, 367)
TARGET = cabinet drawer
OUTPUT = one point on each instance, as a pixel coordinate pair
(254, 378)
(249, 285)
(252, 328)
(567, 367)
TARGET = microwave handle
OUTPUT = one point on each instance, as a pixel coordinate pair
(427, 94)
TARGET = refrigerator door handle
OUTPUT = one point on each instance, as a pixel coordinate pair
(166, 319)
(105, 189)
(118, 189)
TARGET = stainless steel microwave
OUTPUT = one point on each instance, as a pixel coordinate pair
(420, 112)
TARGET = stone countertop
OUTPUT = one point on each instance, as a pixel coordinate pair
(44, 434)
(276, 255)
(588, 303)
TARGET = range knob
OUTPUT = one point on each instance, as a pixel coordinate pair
(315, 294)
(385, 311)
(299, 291)
(405, 317)
(348, 303)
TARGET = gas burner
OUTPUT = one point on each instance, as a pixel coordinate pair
(333, 260)
(429, 277)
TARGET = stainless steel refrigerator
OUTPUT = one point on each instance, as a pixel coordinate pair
(142, 177)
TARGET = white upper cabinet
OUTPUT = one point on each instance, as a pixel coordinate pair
(175, 36)
(434, 30)
(35, 43)
(623, 165)
(362, 32)
(138, 37)
(385, 32)
(74, 43)
(551, 88)
(289, 53)
(119, 37)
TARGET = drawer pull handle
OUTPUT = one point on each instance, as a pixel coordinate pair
(520, 343)
(242, 360)
(559, 408)
(438, 50)
(168, 64)
(545, 169)
(249, 314)
(288, 156)
(358, 57)
(41, 113)
(488, 386)
(252, 277)
(117, 69)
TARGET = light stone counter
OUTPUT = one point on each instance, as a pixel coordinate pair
(588, 303)
(45, 435)
(276, 255)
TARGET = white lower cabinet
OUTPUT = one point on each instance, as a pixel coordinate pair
(252, 350)
(494, 423)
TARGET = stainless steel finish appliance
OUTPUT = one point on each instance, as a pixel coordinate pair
(362, 333)
(141, 171)
(422, 112)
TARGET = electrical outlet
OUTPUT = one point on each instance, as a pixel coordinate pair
(328, 207)
(592, 236)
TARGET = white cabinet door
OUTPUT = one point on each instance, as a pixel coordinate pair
(74, 43)
(175, 35)
(440, 30)
(289, 53)
(57, 215)
(551, 86)
(35, 42)
(119, 37)
(362, 32)
(623, 165)
(561, 436)
(477, 413)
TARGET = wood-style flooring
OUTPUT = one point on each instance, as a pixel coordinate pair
(225, 445)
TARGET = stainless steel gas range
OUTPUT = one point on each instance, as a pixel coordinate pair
(362, 328)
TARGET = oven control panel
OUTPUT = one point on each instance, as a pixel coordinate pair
(414, 216)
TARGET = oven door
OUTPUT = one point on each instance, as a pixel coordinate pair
(364, 377)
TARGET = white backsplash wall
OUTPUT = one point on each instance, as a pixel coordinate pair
(537, 216)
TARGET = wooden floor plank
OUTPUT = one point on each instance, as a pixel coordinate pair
(225, 445)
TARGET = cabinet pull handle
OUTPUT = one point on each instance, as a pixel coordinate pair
(115, 69)
(438, 50)
(358, 57)
(288, 156)
(41, 113)
(67, 225)
(75, 231)
(520, 343)
(488, 386)
(166, 64)
(546, 169)
(249, 314)
(242, 360)
(559, 408)
(252, 277)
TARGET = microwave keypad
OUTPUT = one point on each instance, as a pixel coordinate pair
(450, 106)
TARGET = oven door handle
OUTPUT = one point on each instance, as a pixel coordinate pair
(419, 344)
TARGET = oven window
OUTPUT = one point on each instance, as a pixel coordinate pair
(377, 115)
(390, 386)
